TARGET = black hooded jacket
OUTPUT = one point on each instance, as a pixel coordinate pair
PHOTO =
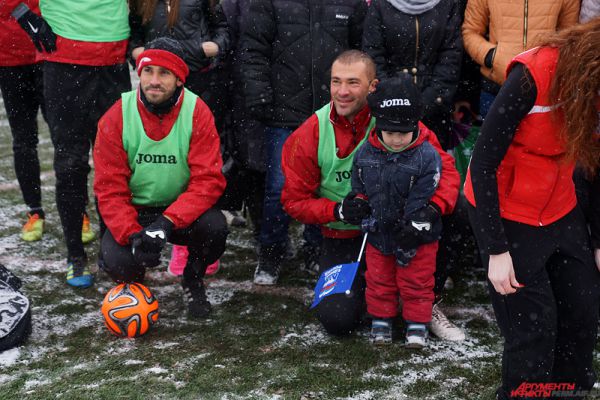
(428, 46)
(196, 23)
(289, 46)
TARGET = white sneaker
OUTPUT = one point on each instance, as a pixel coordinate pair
(265, 278)
(233, 218)
(443, 328)
(416, 336)
(449, 284)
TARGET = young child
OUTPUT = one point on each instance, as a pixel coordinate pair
(397, 171)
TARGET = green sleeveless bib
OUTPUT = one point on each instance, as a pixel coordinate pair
(160, 172)
(335, 171)
(88, 20)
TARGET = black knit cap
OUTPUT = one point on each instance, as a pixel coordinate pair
(168, 44)
(396, 104)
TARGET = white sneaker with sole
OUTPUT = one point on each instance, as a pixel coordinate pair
(265, 278)
(443, 328)
(416, 336)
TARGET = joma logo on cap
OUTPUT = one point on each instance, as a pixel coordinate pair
(394, 102)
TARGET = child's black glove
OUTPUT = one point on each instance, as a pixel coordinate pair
(147, 244)
(36, 27)
(403, 257)
(352, 210)
(419, 229)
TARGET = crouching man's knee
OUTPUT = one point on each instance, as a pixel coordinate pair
(118, 262)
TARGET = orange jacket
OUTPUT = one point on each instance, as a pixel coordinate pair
(535, 184)
(512, 26)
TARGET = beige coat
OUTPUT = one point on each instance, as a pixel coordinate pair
(514, 26)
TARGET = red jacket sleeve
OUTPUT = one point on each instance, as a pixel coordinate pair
(447, 192)
(303, 176)
(111, 177)
(207, 183)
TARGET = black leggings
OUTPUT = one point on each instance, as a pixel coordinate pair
(76, 96)
(550, 325)
(21, 88)
(205, 238)
(341, 313)
(456, 243)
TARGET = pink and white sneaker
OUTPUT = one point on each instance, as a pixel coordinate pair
(179, 257)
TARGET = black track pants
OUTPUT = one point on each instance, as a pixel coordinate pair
(76, 96)
(340, 313)
(550, 325)
(21, 88)
(205, 239)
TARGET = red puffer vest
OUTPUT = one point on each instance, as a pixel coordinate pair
(535, 184)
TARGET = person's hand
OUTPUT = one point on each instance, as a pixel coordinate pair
(211, 49)
(147, 244)
(403, 257)
(36, 27)
(418, 229)
(352, 210)
(597, 258)
(502, 274)
(136, 52)
(141, 255)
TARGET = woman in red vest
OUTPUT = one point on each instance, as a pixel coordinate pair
(544, 282)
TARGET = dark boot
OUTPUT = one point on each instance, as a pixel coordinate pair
(194, 291)
(269, 264)
(194, 295)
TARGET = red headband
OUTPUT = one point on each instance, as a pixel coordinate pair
(165, 59)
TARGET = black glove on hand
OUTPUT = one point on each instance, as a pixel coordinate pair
(352, 210)
(36, 27)
(430, 214)
(147, 244)
(403, 257)
(419, 229)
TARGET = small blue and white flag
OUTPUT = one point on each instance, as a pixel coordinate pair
(337, 279)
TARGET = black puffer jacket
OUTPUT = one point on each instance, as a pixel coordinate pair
(195, 24)
(427, 45)
(289, 46)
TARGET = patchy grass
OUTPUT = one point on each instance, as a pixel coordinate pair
(259, 342)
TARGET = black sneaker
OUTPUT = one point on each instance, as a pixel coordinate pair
(194, 295)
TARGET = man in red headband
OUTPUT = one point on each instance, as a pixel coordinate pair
(158, 176)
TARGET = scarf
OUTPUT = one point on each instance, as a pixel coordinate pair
(413, 7)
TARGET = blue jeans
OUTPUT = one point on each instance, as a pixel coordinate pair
(274, 227)
(485, 102)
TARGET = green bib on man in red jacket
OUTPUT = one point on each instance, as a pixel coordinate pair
(335, 171)
(88, 20)
(159, 169)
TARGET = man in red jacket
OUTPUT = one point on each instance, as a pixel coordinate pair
(310, 196)
(158, 175)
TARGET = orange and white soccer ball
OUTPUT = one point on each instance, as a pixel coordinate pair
(129, 310)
